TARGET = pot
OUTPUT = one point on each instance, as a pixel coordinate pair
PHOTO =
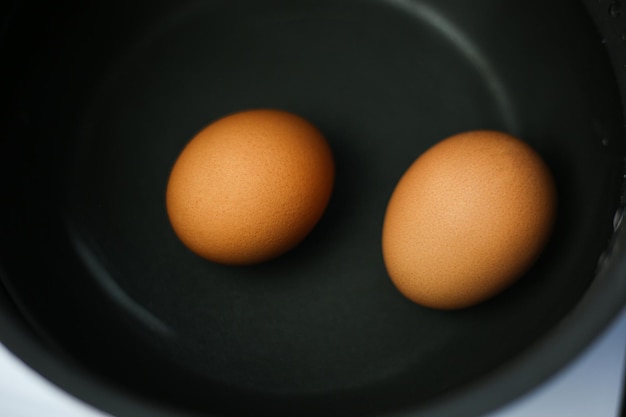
(99, 296)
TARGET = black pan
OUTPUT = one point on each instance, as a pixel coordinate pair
(99, 296)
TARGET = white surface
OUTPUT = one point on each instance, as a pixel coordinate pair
(590, 387)
(24, 393)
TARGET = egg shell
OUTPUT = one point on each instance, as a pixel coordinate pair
(250, 186)
(467, 219)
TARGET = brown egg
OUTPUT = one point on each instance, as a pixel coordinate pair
(250, 186)
(467, 219)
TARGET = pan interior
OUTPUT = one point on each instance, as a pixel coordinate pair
(90, 257)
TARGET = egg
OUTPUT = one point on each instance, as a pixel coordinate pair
(467, 219)
(250, 186)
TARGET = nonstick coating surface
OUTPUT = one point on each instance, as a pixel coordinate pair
(110, 93)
